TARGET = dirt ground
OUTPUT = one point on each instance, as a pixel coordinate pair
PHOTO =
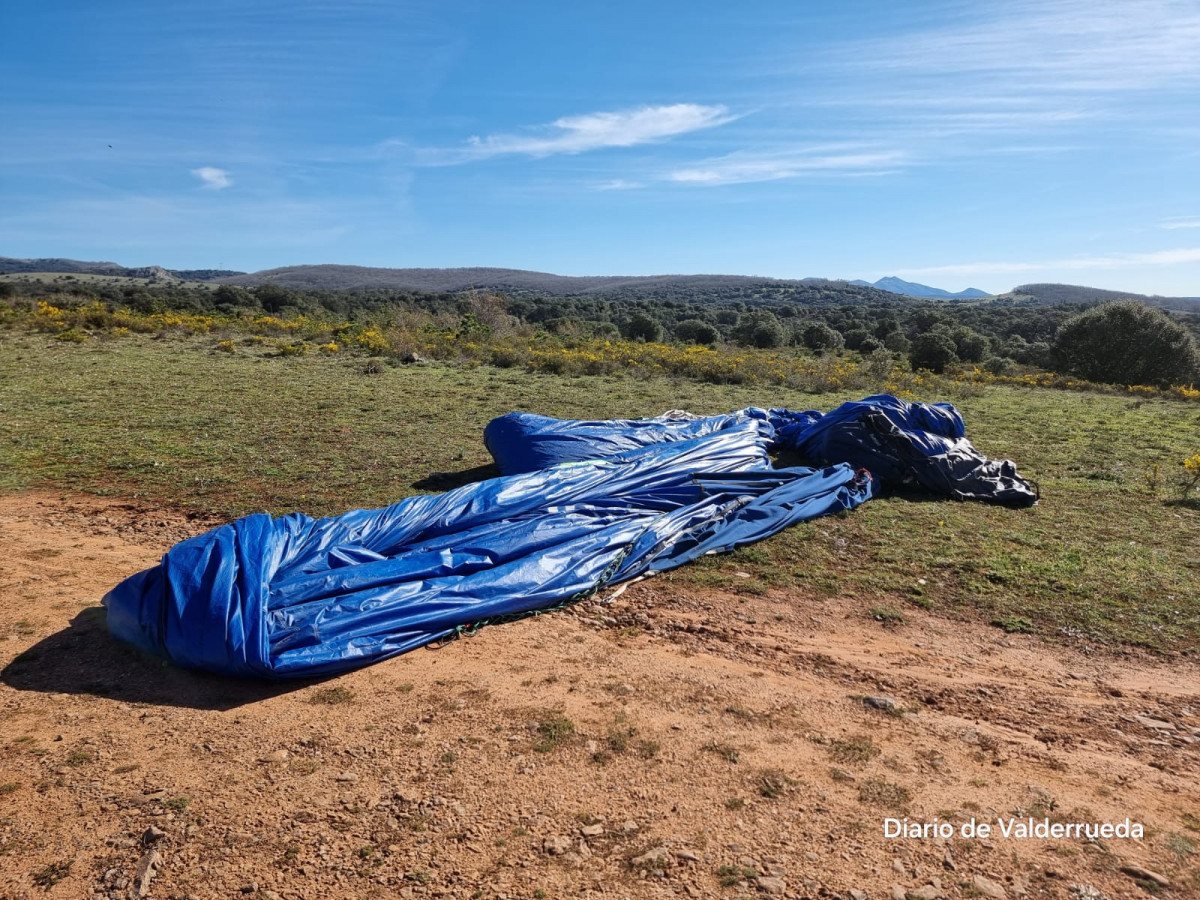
(661, 742)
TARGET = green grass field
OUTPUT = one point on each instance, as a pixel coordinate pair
(1107, 556)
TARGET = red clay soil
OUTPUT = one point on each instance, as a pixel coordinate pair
(663, 742)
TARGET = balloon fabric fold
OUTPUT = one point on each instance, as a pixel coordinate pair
(579, 505)
(921, 446)
(295, 596)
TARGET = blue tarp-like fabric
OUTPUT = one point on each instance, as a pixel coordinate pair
(525, 442)
(910, 445)
(904, 445)
(296, 596)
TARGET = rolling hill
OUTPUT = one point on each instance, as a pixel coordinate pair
(1055, 294)
(519, 282)
(13, 266)
(895, 285)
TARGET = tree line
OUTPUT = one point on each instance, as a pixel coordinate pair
(1122, 342)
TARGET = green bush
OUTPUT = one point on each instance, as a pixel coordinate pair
(933, 350)
(760, 328)
(854, 338)
(970, 345)
(820, 336)
(694, 331)
(643, 327)
(1127, 343)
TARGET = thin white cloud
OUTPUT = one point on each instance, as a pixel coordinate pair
(593, 131)
(1055, 46)
(744, 168)
(619, 184)
(1044, 67)
(1122, 261)
(1180, 222)
(214, 179)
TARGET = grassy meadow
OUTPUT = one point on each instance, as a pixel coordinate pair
(1110, 555)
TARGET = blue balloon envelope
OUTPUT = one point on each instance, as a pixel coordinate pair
(296, 596)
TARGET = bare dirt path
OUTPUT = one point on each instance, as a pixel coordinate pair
(661, 743)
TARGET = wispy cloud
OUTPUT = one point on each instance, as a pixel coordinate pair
(214, 179)
(619, 184)
(743, 168)
(1055, 46)
(1024, 67)
(1122, 261)
(1180, 222)
(592, 131)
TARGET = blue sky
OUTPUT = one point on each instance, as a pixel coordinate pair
(982, 144)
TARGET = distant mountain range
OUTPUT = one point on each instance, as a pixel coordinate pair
(10, 266)
(334, 277)
(894, 285)
(517, 282)
(514, 282)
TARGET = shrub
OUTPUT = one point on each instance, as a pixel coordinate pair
(970, 345)
(879, 364)
(233, 297)
(507, 357)
(998, 365)
(372, 340)
(489, 311)
(762, 329)
(1039, 354)
(1191, 476)
(1014, 624)
(855, 337)
(819, 336)
(858, 750)
(643, 327)
(933, 350)
(272, 297)
(553, 728)
(693, 331)
(470, 326)
(927, 319)
(1127, 343)
(605, 331)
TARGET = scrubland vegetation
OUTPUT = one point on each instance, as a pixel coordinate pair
(1152, 351)
(232, 411)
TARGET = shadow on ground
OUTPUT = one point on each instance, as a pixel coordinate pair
(444, 481)
(85, 659)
